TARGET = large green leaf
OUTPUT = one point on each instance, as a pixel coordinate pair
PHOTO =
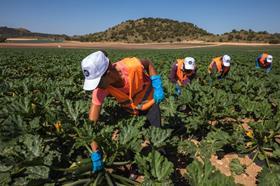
(269, 177)
(157, 136)
(130, 138)
(187, 148)
(38, 172)
(204, 174)
(155, 167)
(5, 178)
(236, 167)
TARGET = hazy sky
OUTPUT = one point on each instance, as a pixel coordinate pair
(88, 16)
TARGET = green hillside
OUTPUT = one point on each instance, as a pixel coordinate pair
(6, 32)
(149, 30)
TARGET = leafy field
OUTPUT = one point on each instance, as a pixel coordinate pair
(45, 133)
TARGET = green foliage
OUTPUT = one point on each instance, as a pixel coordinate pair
(157, 136)
(45, 131)
(203, 174)
(236, 167)
(187, 148)
(155, 167)
(214, 142)
(148, 30)
(3, 39)
(269, 177)
(130, 138)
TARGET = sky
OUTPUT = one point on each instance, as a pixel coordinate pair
(77, 17)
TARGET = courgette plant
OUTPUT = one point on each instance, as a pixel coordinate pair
(262, 139)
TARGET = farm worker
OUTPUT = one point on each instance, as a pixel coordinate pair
(182, 72)
(133, 82)
(265, 61)
(219, 65)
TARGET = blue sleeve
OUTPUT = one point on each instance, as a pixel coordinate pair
(258, 58)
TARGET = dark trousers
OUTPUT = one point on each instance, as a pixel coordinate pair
(153, 115)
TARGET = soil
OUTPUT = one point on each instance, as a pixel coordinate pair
(248, 178)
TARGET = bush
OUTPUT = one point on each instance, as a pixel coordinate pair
(274, 41)
(3, 39)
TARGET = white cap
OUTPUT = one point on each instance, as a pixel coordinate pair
(269, 59)
(93, 67)
(189, 63)
(226, 60)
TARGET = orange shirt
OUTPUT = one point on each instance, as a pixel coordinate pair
(98, 94)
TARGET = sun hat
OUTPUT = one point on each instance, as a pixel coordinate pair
(93, 67)
(189, 63)
(226, 60)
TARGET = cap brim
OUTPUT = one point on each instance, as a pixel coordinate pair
(189, 67)
(226, 64)
(91, 84)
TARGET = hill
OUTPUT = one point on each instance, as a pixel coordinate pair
(149, 30)
(245, 36)
(6, 32)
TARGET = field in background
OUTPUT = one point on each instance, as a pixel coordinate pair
(120, 45)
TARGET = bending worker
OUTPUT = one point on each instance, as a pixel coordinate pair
(182, 72)
(264, 61)
(220, 65)
(133, 82)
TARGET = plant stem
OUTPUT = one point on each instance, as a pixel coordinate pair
(79, 182)
(109, 180)
(123, 179)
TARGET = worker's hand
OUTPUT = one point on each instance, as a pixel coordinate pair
(158, 90)
(211, 74)
(178, 90)
(220, 77)
(97, 161)
(179, 83)
(209, 70)
(94, 146)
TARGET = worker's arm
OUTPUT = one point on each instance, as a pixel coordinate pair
(192, 74)
(173, 76)
(225, 72)
(156, 81)
(257, 62)
(266, 65)
(210, 68)
(94, 112)
(149, 67)
(179, 83)
(98, 97)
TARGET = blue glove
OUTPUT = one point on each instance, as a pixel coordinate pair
(178, 90)
(158, 91)
(220, 77)
(97, 162)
